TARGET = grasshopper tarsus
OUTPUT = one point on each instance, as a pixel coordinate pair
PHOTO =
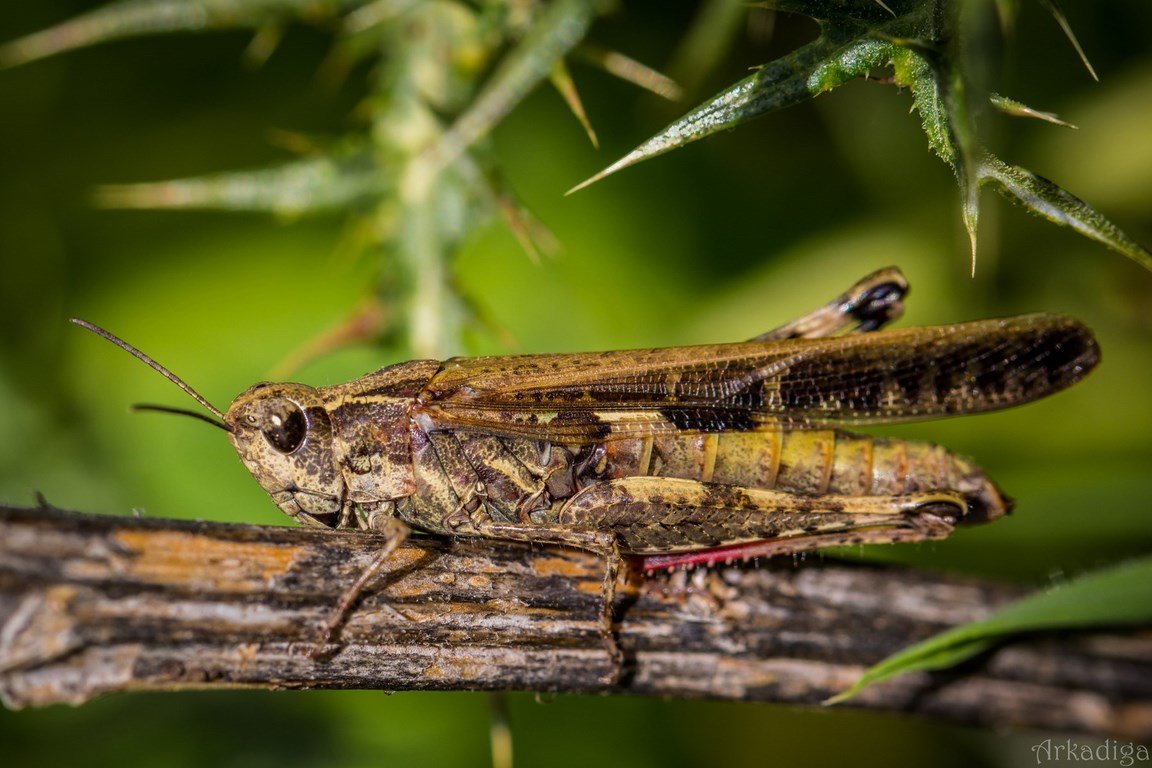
(395, 533)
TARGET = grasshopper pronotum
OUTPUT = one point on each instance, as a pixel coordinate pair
(676, 456)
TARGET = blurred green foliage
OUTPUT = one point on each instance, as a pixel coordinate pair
(718, 241)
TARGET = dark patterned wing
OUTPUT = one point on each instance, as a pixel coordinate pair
(881, 377)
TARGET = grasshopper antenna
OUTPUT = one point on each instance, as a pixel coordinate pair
(180, 412)
(218, 421)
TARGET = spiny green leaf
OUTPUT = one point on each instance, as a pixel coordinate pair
(418, 189)
(562, 81)
(781, 84)
(134, 18)
(632, 71)
(310, 185)
(1119, 596)
(855, 38)
(885, 6)
(921, 42)
(1059, 206)
(1062, 20)
(1016, 109)
(560, 28)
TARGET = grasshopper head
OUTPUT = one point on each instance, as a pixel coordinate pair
(283, 435)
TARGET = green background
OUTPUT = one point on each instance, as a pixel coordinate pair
(719, 241)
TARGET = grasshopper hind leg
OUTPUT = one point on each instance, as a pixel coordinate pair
(934, 521)
(670, 522)
(873, 302)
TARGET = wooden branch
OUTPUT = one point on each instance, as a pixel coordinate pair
(90, 605)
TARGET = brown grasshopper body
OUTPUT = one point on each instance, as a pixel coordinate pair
(680, 456)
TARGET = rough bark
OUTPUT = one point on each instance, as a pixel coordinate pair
(91, 605)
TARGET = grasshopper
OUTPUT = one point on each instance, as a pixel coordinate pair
(675, 457)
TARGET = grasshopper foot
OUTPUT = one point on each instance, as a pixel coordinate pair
(396, 533)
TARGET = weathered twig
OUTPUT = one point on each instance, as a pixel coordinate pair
(90, 605)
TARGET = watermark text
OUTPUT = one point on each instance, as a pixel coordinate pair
(1120, 753)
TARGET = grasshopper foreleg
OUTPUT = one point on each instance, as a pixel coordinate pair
(395, 533)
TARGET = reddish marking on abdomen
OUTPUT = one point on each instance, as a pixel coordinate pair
(706, 557)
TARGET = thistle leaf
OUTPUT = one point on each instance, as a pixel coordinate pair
(414, 188)
(781, 84)
(293, 189)
(136, 18)
(1059, 206)
(560, 28)
(1062, 20)
(920, 41)
(562, 81)
(1016, 109)
(856, 37)
(632, 71)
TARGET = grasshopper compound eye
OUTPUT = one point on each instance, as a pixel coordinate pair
(283, 434)
(285, 426)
